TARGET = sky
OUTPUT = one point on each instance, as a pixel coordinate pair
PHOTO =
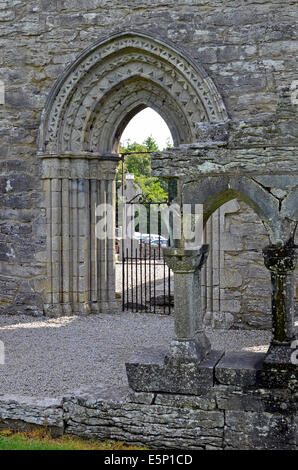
(147, 123)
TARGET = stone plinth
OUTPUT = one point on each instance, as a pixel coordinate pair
(156, 371)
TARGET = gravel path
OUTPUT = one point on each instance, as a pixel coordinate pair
(159, 276)
(51, 357)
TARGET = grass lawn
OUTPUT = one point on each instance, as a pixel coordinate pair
(42, 440)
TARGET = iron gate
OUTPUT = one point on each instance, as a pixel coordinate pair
(146, 279)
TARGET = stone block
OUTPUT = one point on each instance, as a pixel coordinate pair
(233, 306)
(19, 412)
(149, 372)
(205, 402)
(252, 430)
(277, 373)
(239, 368)
(262, 321)
(224, 320)
(231, 278)
(236, 398)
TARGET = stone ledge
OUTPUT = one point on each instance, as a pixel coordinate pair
(239, 368)
(153, 372)
(21, 412)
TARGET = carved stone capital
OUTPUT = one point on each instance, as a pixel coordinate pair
(79, 166)
(180, 260)
(280, 259)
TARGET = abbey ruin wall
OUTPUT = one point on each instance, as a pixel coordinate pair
(248, 48)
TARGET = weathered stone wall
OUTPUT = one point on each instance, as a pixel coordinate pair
(21, 412)
(249, 48)
(244, 282)
(209, 170)
(250, 286)
(224, 418)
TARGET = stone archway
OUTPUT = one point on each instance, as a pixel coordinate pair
(83, 119)
(228, 297)
(128, 69)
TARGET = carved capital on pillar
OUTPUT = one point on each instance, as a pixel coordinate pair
(108, 167)
(280, 258)
(180, 260)
(79, 166)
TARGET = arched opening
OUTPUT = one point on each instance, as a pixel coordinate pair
(143, 282)
(144, 133)
(148, 123)
(235, 283)
(113, 80)
(81, 126)
(111, 115)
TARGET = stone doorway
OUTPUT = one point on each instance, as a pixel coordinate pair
(85, 115)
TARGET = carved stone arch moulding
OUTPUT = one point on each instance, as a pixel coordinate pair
(111, 115)
(124, 66)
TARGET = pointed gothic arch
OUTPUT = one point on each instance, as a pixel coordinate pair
(81, 124)
(129, 69)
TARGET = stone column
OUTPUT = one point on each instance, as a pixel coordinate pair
(105, 246)
(188, 366)
(281, 260)
(81, 276)
(191, 343)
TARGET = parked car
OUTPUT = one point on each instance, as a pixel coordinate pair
(162, 242)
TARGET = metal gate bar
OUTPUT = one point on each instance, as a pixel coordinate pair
(142, 275)
(144, 272)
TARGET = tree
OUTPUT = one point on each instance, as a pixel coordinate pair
(140, 165)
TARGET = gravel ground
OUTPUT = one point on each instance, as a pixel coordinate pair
(51, 357)
(159, 276)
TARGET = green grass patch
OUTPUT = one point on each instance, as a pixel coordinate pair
(42, 440)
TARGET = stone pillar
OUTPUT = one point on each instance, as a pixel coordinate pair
(105, 246)
(188, 366)
(81, 276)
(191, 342)
(281, 260)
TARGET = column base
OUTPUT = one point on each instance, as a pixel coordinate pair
(107, 306)
(58, 310)
(279, 368)
(279, 353)
(189, 351)
(80, 308)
